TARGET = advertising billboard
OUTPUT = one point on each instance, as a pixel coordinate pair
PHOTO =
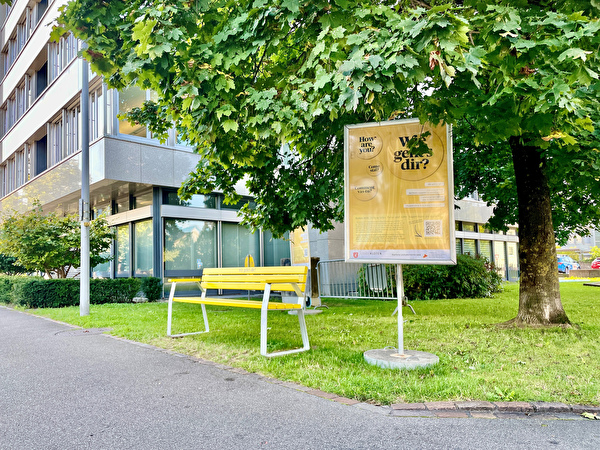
(399, 200)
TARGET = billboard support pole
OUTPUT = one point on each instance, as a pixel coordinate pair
(400, 291)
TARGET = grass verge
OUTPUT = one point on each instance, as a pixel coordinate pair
(478, 361)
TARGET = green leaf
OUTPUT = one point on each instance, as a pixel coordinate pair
(230, 125)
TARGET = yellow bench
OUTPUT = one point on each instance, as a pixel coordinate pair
(266, 279)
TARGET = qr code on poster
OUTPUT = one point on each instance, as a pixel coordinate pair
(433, 228)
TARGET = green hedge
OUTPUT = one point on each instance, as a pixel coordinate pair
(152, 288)
(36, 292)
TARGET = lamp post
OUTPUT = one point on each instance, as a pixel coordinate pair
(84, 202)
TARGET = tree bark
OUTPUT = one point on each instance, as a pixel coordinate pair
(539, 294)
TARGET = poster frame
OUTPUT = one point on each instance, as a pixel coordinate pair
(449, 192)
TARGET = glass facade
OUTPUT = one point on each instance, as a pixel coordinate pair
(469, 247)
(130, 98)
(239, 243)
(276, 251)
(500, 257)
(485, 248)
(502, 251)
(197, 201)
(122, 251)
(143, 248)
(190, 245)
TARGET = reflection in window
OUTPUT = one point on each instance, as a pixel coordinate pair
(469, 247)
(143, 248)
(466, 226)
(238, 205)
(130, 98)
(122, 253)
(513, 260)
(238, 243)
(486, 250)
(277, 251)
(141, 200)
(196, 201)
(500, 257)
(190, 244)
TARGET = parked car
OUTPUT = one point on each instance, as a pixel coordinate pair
(596, 263)
(566, 264)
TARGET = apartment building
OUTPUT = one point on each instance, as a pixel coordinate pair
(132, 175)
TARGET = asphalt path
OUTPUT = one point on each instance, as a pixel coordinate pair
(62, 389)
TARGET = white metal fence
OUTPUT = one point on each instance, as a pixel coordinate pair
(340, 279)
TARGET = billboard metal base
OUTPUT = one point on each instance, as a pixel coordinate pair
(389, 358)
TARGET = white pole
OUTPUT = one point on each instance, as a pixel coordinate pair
(400, 291)
(84, 275)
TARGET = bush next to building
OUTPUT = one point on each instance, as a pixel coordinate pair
(36, 292)
(469, 278)
(152, 288)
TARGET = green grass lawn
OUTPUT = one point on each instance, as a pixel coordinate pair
(478, 360)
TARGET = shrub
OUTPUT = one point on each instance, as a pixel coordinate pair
(469, 278)
(36, 292)
(118, 290)
(152, 288)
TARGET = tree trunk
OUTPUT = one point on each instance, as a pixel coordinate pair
(539, 294)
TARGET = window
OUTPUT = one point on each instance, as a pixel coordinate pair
(190, 245)
(55, 131)
(238, 243)
(122, 253)
(142, 199)
(60, 54)
(21, 168)
(71, 131)
(130, 98)
(276, 251)
(142, 249)
(467, 226)
(197, 200)
(486, 250)
(10, 164)
(96, 115)
(469, 247)
(500, 257)
(237, 206)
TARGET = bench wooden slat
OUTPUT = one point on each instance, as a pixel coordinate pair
(236, 302)
(239, 286)
(184, 280)
(260, 278)
(257, 270)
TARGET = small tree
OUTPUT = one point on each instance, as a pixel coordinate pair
(51, 243)
(595, 252)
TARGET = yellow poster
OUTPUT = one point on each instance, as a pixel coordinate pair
(399, 204)
(300, 247)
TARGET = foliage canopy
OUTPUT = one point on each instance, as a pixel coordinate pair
(240, 79)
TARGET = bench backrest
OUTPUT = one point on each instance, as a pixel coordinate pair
(288, 278)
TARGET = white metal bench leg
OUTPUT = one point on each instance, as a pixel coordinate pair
(170, 316)
(263, 329)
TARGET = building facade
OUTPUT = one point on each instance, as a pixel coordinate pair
(132, 175)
